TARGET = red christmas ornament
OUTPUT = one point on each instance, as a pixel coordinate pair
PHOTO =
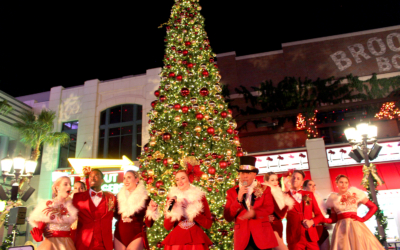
(209, 189)
(190, 65)
(166, 136)
(165, 162)
(177, 106)
(158, 160)
(223, 164)
(144, 173)
(184, 124)
(150, 180)
(230, 111)
(204, 92)
(211, 130)
(205, 73)
(239, 154)
(214, 156)
(168, 66)
(229, 131)
(211, 170)
(163, 98)
(159, 184)
(215, 111)
(173, 48)
(175, 166)
(224, 114)
(239, 148)
(185, 92)
(192, 153)
(185, 52)
(181, 146)
(179, 78)
(188, 43)
(185, 109)
(184, 62)
(146, 148)
(236, 138)
(171, 74)
(211, 60)
(157, 93)
(153, 104)
(199, 116)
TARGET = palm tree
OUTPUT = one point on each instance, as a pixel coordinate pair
(36, 130)
(5, 108)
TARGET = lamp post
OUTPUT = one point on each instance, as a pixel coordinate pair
(359, 138)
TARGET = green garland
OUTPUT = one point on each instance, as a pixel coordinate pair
(379, 215)
(9, 239)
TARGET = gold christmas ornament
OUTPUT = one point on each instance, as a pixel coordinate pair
(202, 108)
(204, 176)
(197, 129)
(170, 160)
(220, 106)
(212, 104)
(228, 152)
(150, 172)
(211, 180)
(229, 115)
(193, 100)
(220, 178)
(177, 118)
(161, 192)
(196, 106)
(210, 121)
(218, 87)
(167, 86)
(216, 138)
(207, 162)
(153, 143)
(152, 189)
(158, 154)
(232, 160)
(153, 138)
(159, 132)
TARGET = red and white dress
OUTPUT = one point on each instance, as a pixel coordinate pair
(58, 217)
(282, 203)
(186, 223)
(349, 233)
(133, 215)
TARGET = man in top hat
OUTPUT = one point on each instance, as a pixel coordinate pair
(301, 232)
(96, 211)
(249, 205)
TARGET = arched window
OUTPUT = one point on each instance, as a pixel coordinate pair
(120, 132)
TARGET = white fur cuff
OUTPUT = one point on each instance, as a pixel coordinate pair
(152, 215)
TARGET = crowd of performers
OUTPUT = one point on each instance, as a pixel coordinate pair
(257, 209)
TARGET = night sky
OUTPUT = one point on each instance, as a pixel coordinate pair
(60, 43)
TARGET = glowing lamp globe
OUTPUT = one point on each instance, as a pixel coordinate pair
(19, 163)
(6, 164)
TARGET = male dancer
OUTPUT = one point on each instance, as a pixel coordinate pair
(300, 231)
(96, 210)
(249, 205)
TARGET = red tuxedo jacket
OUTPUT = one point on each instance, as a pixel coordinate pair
(92, 219)
(300, 212)
(259, 226)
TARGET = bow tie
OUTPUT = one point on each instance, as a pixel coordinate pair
(99, 194)
(297, 192)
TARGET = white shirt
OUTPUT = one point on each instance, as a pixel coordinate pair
(298, 197)
(96, 200)
(250, 190)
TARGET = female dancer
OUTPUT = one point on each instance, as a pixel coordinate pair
(56, 216)
(322, 229)
(189, 211)
(134, 204)
(350, 231)
(282, 203)
(79, 187)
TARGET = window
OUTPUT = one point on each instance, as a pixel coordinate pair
(120, 132)
(68, 150)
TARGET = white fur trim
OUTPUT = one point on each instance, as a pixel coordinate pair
(37, 214)
(333, 198)
(193, 196)
(280, 197)
(360, 194)
(134, 203)
(152, 215)
(320, 202)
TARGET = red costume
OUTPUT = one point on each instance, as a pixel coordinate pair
(186, 222)
(282, 203)
(297, 236)
(132, 208)
(94, 229)
(258, 227)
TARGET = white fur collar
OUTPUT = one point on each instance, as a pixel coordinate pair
(38, 215)
(280, 197)
(334, 198)
(193, 196)
(320, 202)
(134, 203)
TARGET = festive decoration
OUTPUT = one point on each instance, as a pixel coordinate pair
(311, 128)
(191, 127)
(301, 122)
(371, 169)
(4, 215)
(388, 110)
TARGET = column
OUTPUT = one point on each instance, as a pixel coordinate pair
(318, 163)
(4, 146)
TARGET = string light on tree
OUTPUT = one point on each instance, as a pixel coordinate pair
(191, 119)
(389, 111)
(301, 122)
(311, 127)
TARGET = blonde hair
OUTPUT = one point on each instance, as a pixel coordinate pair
(268, 175)
(57, 183)
(135, 173)
(341, 176)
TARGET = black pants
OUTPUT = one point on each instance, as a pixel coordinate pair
(252, 244)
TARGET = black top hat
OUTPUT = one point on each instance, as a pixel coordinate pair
(248, 164)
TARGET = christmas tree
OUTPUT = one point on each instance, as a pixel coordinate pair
(190, 122)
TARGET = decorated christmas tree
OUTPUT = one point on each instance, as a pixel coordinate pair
(190, 123)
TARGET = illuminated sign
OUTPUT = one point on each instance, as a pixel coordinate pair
(79, 163)
(282, 162)
(340, 156)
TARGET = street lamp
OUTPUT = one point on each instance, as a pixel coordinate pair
(359, 139)
(20, 164)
